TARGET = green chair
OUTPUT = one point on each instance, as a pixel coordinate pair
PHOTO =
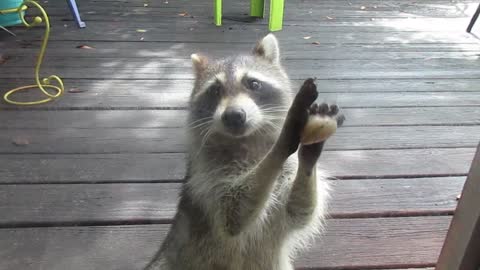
(257, 10)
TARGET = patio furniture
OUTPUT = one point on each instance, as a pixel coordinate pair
(10, 17)
(474, 19)
(76, 14)
(257, 9)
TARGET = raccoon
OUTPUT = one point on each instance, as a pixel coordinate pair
(247, 202)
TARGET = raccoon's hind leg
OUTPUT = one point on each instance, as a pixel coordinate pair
(302, 201)
(244, 202)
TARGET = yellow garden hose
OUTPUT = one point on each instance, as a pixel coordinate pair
(45, 83)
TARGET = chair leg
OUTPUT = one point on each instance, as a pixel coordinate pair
(217, 12)
(257, 8)
(76, 15)
(474, 19)
(276, 15)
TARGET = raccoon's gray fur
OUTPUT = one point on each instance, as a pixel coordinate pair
(248, 203)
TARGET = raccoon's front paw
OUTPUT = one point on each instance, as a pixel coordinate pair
(321, 124)
(296, 119)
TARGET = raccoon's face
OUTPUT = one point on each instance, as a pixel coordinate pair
(241, 95)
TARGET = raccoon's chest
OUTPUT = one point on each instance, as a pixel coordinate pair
(256, 249)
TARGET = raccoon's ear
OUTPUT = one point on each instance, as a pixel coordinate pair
(268, 49)
(200, 63)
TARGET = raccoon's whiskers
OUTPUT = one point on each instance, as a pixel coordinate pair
(200, 120)
(201, 124)
(208, 133)
(273, 126)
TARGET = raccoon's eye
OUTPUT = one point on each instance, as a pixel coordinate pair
(254, 85)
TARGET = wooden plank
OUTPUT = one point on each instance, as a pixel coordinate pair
(22, 51)
(293, 10)
(102, 97)
(176, 118)
(134, 68)
(293, 14)
(393, 242)
(80, 204)
(158, 140)
(393, 4)
(96, 168)
(247, 33)
(460, 250)
(305, 18)
(153, 70)
(122, 87)
(91, 168)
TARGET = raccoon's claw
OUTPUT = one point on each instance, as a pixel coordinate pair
(321, 126)
(340, 119)
(329, 110)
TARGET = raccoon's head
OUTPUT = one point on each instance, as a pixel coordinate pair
(241, 95)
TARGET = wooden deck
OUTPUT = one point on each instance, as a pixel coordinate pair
(90, 181)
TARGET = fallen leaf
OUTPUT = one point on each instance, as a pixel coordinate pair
(183, 14)
(141, 38)
(362, 7)
(85, 47)
(329, 18)
(20, 141)
(307, 37)
(3, 59)
(141, 30)
(76, 90)
(316, 43)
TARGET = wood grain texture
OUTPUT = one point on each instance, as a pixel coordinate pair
(94, 168)
(103, 87)
(176, 118)
(173, 140)
(233, 32)
(130, 247)
(143, 99)
(134, 68)
(42, 205)
(20, 50)
(294, 11)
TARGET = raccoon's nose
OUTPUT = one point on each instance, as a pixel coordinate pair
(234, 117)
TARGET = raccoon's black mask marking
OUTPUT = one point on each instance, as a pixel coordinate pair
(240, 95)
